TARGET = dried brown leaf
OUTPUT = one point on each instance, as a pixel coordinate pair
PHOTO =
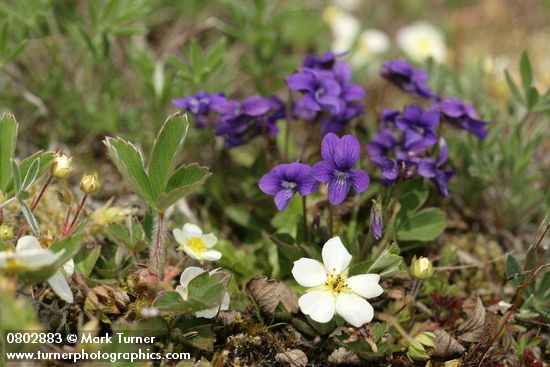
(294, 357)
(343, 356)
(472, 329)
(267, 293)
(445, 344)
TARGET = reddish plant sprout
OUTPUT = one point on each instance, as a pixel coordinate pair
(447, 308)
(529, 359)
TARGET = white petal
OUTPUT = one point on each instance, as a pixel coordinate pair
(309, 273)
(60, 287)
(183, 291)
(212, 312)
(354, 309)
(28, 243)
(179, 236)
(211, 255)
(192, 230)
(335, 256)
(4, 256)
(208, 314)
(36, 258)
(225, 302)
(365, 285)
(189, 274)
(68, 267)
(319, 305)
(209, 240)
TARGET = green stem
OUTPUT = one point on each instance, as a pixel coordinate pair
(330, 220)
(304, 213)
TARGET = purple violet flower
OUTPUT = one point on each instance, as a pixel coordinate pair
(407, 78)
(376, 220)
(287, 179)
(200, 105)
(462, 115)
(327, 92)
(418, 128)
(335, 170)
(325, 61)
(255, 115)
(320, 88)
(433, 170)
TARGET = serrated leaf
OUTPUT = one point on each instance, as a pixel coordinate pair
(389, 263)
(8, 138)
(426, 225)
(130, 165)
(204, 292)
(165, 151)
(182, 182)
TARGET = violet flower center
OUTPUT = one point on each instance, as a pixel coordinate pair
(341, 176)
(288, 185)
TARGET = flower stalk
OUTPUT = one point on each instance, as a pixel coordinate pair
(156, 254)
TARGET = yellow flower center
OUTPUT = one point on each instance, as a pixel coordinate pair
(336, 283)
(196, 245)
(424, 44)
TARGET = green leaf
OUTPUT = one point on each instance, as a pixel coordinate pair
(45, 160)
(8, 138)
(166, 150)
(31, 220)
(204, 291)
(512, 269)
(513, 87)
(389, 263)
(526, 72)
(84, 264)
(129, 162)
(16, 177)
(182, 182)
(532, 95)
(412, 196)
(426, 225)
(31, 174)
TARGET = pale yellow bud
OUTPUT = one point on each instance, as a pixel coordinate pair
(89, 183)
(2, 197)
(6, 232)
(61, 166)
(421, 268)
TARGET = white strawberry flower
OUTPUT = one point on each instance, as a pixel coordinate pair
(330, 290)
(29, 255)
(196, 244)
(421, 40)
(187, 276)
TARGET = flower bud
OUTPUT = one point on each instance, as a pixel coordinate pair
(421, 346)
(61, 166)
(64, 196)
(2, 197)
(89, 183)
(421, 268)
(6, 232)
(376, 220)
